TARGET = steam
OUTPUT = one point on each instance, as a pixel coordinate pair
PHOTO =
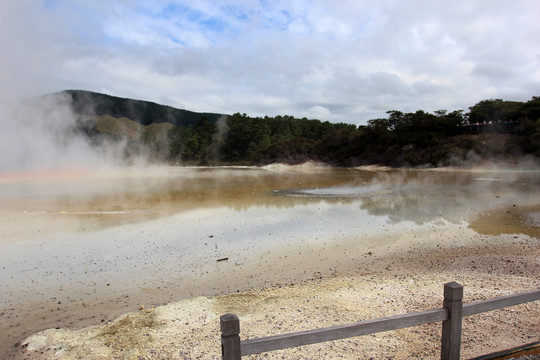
(47, 134)
(219, 137)
(222, 130)
(472, 161)
(44, 134)
(35, 135)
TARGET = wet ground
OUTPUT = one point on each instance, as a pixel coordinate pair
(82, 248)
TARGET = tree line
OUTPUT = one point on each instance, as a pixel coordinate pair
(401, 139)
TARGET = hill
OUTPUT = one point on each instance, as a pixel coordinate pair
(493, 130)
(143, 112)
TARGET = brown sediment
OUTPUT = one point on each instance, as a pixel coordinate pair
(514, 219)
(386, 286)
(399, 268)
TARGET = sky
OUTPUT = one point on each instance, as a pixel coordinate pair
(339, 61)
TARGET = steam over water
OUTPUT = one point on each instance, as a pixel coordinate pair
(78, 248)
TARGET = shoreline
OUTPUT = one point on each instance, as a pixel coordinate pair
(302, 241)
(389, 285)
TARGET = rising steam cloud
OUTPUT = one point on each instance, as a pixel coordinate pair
(42, 134)
(218, 139)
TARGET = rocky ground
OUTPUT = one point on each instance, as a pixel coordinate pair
(412, 281)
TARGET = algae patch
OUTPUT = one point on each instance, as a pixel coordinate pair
(132, 331)
(512, 220)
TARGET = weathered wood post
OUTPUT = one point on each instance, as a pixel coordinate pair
(451, 328)
(230, 338)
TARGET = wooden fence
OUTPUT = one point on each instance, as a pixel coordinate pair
(451, 315)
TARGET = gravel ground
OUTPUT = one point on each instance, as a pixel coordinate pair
(384, 287)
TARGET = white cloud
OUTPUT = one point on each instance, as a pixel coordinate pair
(493, 70)
(355, 59)
(319, 112)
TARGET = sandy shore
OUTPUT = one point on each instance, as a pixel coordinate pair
(380, 248)
(493, 265)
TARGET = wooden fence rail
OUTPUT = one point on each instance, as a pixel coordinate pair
(451, 315)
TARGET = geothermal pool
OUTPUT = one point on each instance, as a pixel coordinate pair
(80, 247)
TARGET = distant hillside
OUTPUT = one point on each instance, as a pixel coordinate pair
(142, 112)
(493, 130)
(117, 126)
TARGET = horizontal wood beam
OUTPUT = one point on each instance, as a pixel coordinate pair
(500, 302)
(523, 350)
(277, 342)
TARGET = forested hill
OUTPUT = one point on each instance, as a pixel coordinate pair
(142, 112)
(493, 129)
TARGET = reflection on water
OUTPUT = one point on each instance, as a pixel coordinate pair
(113, 198)
(422, 197)
(132, 196)
(81, 248)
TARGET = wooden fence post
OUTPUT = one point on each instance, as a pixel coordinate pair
(451, 328)
(230, 340)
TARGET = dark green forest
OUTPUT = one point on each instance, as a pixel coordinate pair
(492, 129)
